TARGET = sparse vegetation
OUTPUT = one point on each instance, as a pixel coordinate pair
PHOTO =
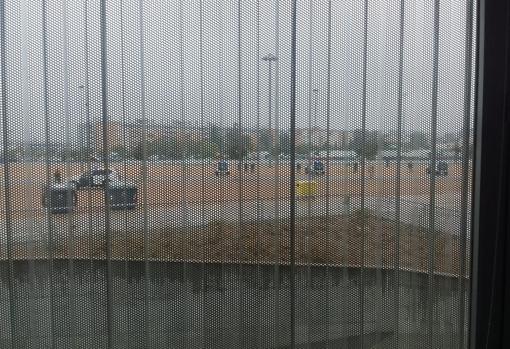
(337, 241)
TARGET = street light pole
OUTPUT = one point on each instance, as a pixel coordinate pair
(310, 148)
(84, 101)
(270, 58)
(315, 96)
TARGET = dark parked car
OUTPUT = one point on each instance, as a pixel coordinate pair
(59, 198)
(123, 196)
(222, 168)
(441, 168)
(317, 168)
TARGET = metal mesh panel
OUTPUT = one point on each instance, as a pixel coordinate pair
(146, 176)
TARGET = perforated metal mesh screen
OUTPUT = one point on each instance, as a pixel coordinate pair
(146, 174)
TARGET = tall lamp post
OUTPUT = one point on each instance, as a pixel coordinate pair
(315, 130)
(82, 88)
(270, 58)
(310, 147)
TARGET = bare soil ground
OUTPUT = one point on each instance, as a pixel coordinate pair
(354, 240)
(168, 185)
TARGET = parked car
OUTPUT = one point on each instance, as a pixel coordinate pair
(59, 198)
(123, 196)
(95, 178)
(222, 168)
(441, 168)
(317, 168)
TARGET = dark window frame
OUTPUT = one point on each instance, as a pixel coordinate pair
(490, 289)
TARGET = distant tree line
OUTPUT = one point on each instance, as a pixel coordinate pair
(234, 143)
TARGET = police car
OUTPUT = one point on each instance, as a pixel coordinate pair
(95, 178)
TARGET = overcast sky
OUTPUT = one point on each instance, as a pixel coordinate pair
(163, 48)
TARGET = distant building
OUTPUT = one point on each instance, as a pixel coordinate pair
(262, 155)
(39, 150)
(387, 155)
(419, 154)
(338, 139)
(339, 155)
(129, 135)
